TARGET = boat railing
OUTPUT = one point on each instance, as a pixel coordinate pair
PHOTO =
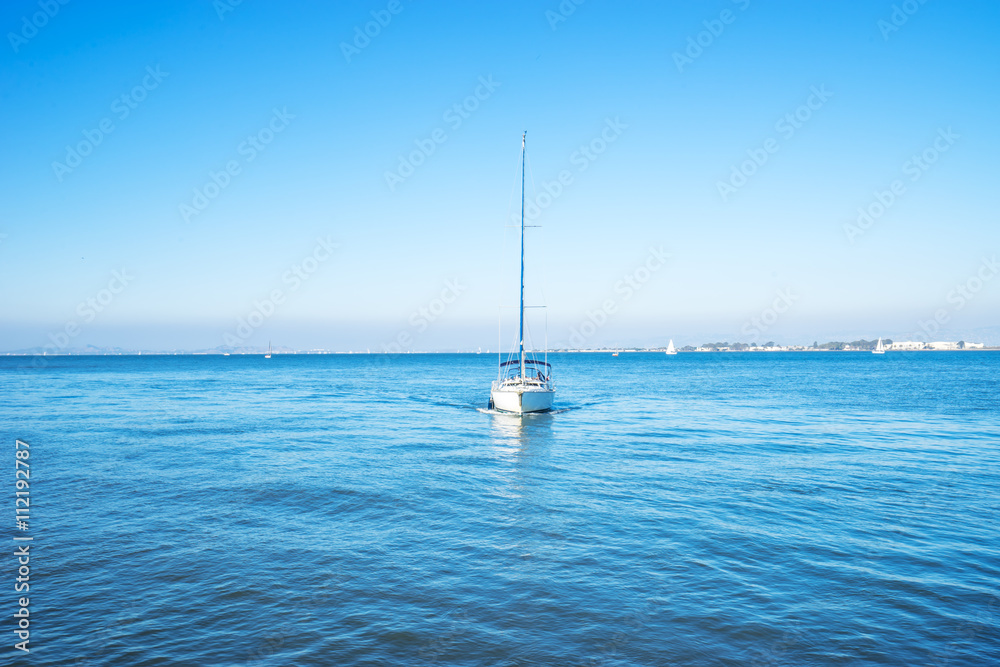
(514, 380)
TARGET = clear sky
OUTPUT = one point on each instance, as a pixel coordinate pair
(739, 139)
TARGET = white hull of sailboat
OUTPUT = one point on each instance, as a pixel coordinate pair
(521, 400)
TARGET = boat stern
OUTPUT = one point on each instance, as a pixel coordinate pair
(520, 399)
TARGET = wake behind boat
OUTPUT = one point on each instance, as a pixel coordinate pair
(523, 383)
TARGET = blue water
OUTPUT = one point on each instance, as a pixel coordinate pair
(703, 509)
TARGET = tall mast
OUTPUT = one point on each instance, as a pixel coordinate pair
(521, 319)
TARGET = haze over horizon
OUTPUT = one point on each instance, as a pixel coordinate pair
(179, 175)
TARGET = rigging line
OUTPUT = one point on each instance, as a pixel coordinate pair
(534, 194)
(540, 241)
(499, 338)
(547, 337)
(511, 355)
(503, 252)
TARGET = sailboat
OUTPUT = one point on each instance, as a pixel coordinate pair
(268, 355)
(879, 347)
(670, 347)
(523, 383)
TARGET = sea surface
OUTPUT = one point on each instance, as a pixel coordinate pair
(701, 509)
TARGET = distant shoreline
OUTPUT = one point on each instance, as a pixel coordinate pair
(145, 353)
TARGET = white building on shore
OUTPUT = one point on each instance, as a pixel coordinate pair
(935, 345)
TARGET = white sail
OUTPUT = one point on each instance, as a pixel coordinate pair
(879, 347)
(670, 347)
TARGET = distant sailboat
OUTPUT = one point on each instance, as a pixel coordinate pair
(615, 353)
(879, 347)
(268, 355)
(670, 347)
(518, 389)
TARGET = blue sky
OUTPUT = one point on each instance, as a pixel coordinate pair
(423, 260)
